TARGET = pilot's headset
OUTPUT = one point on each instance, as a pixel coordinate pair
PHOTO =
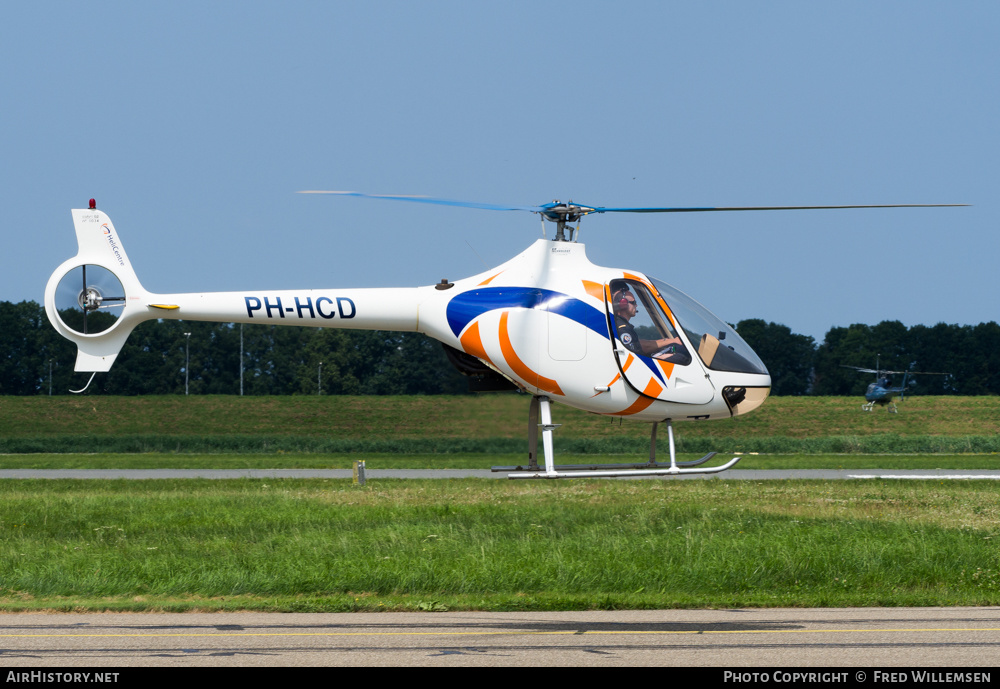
(618, 299)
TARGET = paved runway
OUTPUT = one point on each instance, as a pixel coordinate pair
(869, 638)
(732, 474)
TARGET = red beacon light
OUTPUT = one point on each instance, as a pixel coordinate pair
(93, 204)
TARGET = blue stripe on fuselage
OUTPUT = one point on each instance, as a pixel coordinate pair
(468, 306)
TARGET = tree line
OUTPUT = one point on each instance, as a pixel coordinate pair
(159, 359)
(969, 355)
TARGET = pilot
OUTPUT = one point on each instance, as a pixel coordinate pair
(665, 348)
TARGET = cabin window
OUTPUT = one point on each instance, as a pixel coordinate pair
(715, 341)
(641, 325)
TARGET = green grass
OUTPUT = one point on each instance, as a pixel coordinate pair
(495, 416)
(468, 425)
(154, 460)
(312, 545)
(325, 545)
(631, 440)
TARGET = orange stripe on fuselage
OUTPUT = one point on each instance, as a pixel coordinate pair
(518, 367)
(489, 279)
(472, 343)
(665, 366)
(594, 289)
(652, 390)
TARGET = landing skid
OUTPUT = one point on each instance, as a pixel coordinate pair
(890, 407)
(540, 406)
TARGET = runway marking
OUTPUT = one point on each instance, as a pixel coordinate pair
(519, 633)
(928, 476)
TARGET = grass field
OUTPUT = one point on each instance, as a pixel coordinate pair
(479, 416)
(324, 545)
(495, 545)
(157, 460)
(468, 425)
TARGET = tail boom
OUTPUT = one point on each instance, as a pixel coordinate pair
(359, 309)
(71, 290)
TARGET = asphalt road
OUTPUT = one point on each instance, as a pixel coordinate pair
(731, 474)
(869, 638)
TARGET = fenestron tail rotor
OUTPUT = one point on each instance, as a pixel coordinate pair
(89, 299)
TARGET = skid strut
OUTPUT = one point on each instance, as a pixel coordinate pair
(540, 418)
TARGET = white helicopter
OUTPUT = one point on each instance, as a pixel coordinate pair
(548, 322)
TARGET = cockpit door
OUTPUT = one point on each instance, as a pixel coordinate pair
(653, 353)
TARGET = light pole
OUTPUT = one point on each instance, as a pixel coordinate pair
(319, 380)
(187, 360)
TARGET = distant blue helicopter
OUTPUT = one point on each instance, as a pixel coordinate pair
(881, 391)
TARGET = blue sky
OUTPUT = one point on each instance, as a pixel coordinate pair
(193, 124)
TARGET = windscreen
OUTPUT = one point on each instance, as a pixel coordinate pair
(717, 343)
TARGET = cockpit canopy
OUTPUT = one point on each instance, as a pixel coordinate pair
(662, 314)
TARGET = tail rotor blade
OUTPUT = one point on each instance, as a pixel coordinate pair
(81, 292)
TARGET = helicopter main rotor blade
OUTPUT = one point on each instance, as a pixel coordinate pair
(562, 212)
(862, 370)
(884, 370)
(431, 200)
(769, 208)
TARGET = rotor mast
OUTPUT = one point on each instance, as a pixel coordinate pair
(563, 213)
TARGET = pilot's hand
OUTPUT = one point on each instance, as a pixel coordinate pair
(675, 352)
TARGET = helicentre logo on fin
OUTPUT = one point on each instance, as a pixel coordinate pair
(114, 244)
